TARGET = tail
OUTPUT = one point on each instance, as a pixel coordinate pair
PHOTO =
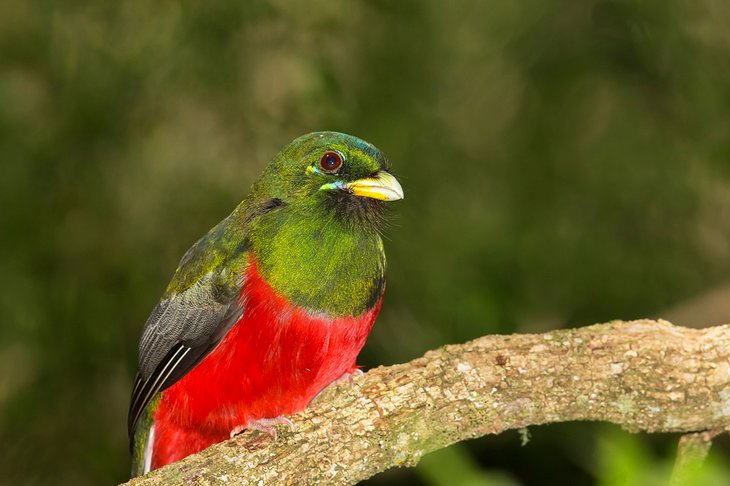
(142, 447)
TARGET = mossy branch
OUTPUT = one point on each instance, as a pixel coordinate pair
(644, 375)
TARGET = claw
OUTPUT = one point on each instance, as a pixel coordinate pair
(266, 425)
(237, 430)
(347, 376)
(351, 375)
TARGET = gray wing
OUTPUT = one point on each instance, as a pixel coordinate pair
(186, 325)
(179, 333)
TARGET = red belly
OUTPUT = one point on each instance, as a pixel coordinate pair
(273, 361)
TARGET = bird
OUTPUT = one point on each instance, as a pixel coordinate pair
(270, 307)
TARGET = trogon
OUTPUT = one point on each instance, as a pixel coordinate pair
(270, 307)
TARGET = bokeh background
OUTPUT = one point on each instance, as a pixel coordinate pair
(565, 162)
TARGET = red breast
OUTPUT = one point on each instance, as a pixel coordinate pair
(272, 362)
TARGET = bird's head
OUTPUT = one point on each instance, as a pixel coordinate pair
(332, 172)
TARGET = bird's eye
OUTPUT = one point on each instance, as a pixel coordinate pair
(330, 162)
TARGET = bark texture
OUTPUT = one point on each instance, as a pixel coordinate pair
(644, 375)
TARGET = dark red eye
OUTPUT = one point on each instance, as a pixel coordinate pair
(331, 161)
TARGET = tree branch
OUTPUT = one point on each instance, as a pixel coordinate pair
(643, 375)
(691, 453)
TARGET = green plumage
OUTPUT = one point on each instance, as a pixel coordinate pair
(319, 263)
(305, 239)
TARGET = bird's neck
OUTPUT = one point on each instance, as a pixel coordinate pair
(320, 263)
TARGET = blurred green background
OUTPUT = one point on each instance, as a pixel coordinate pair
(564, 163)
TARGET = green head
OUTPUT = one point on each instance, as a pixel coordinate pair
(316, 239)
(330, 173)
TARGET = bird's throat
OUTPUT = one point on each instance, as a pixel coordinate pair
(321, 264)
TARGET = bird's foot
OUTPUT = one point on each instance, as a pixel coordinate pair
(347, 377)
(237, 430)
(267, 425)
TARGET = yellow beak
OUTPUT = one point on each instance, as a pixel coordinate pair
(383, 186)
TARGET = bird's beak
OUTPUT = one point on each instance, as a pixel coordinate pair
(382, 186)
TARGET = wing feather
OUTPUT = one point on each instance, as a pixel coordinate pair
(202, 303)
(175, 339)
